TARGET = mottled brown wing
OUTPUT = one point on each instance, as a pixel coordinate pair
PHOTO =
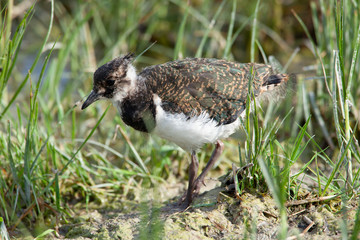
(218, 87)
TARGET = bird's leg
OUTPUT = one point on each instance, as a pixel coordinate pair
(219, 147)
(193, 169)
(195, 184)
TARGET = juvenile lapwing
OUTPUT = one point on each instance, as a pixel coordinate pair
(189, 102)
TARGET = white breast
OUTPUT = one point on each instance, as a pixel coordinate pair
(190, 134)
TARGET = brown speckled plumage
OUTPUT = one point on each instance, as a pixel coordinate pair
(219, 87)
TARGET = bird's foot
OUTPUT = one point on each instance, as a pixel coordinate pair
(184, 202)
(187, 198)
(197, 185)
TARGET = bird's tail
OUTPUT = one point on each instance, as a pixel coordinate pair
(275, 86)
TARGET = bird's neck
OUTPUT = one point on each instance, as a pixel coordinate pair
(134, 86)
(137, 109)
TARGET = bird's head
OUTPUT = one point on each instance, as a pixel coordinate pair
(113, 80)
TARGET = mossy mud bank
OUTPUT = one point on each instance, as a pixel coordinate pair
(215, 215)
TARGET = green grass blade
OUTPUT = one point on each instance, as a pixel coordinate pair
(263, 54)
(339, 24)
(3, 231)
(57, 193)
(11, 160)
(33, 64)
(230, 31)
(320, 120)
(33, 165)
(253, 33)
(238, 31)
(152, 44)
(314, 48)
(133, 150)
(200, 49)
(291, 58)
(338, 164)
(297, 150)
(178, 52)
(354, 63)
(334, 102)
(86, 139)
(13, 45)
(43, 234)
(34, 98)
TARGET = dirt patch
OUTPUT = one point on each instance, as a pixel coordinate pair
(214, 215)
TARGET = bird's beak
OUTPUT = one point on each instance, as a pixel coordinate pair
(93, 96)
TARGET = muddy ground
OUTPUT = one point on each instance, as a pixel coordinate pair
(215, 214)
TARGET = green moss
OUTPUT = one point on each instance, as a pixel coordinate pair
(84, 230)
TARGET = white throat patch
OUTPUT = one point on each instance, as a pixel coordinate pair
(132, 76)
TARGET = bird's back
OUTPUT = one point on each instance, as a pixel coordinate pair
(218, 87)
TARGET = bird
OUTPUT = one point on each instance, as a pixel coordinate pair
(190, 102)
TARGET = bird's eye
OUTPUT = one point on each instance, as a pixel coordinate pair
(109, 82)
